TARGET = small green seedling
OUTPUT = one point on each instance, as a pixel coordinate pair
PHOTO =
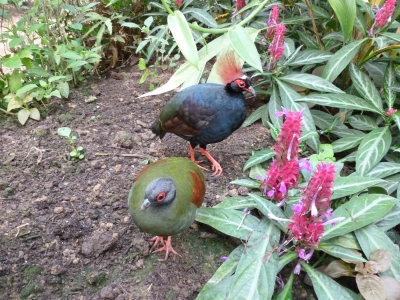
(325, 154)
(77, 152)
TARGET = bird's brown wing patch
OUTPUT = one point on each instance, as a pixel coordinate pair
(199, 189)
(193, 116)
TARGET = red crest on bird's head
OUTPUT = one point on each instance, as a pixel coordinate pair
(228, 67)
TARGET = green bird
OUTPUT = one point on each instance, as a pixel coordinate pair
(165, 198)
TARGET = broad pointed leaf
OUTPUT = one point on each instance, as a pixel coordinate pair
(345, 186)
(183, 37)
(341, 101)
(247, 183)
(362, 122)
(372, 149)
(244, 46)
(325, 287)
(202, 16)
(291, 101)
(390, 220)
(258, 157)
(23, 115)
(365, 86)
(396, 118)
(346, 143)
(359, 212)
(339, 61)
(310, 57)
(239, 203)
(345, 11)
(312, 82)
(34, 113)
(340, 252)
(384, 169)
(275, 105)
(286, 292)
(257, 268)
(232, 222)
(388, 82)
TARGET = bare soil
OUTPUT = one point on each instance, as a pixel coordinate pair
(65, 231)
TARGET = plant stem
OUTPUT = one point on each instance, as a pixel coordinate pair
(220, 30)
(377, 52)
(311, 13)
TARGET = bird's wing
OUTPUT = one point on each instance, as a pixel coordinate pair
(193, 115)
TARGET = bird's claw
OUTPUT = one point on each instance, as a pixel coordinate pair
(167, 247)
(216, 167)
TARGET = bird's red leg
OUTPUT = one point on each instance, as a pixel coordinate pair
(197, 162)
(156, 240)
(167, 248)
(216, 167)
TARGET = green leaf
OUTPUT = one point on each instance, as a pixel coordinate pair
(372, 149)
(340, 252)
(13, 62)
(345, 186)
(257, 268)
(77, 64)
(396, 118)
(130, 25)
(239, 203)
(142, 64)
(225, 270)
(346, 143)
(34, 27)
(13, 104)
(388, 81)
(202, 16)
(390, 220)
(34, 114)
(247, 183)
(71, 55)
(275, 105)
(183, 37)
(64, 131)
(347, 240)
(362, 122)
(255, 115)
(266, 207)
(258, 157)
(23, 115)
(359, 212)
(310, 57)
(325, 287)
(393, 36)
(339, 61)
(15, 42)
(291, 101)
(244, 46)
(371, 238)
(25, 89)
(312, 82)
(365, 87)
(286, 292)
(63, 87)
(384, 169)
(341, 101)
(231, 222)
(345, 11)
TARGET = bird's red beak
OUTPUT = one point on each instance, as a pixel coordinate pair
(251, 91)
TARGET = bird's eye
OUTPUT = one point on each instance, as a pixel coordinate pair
(161, 197)
(241, 83)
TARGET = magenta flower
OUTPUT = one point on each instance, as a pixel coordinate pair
(283, 173)
(277, 46)
(272, 22)
(178, 2)
(239, 5)
(383, 15)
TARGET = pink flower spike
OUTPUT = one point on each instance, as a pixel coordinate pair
(383, 16)
(390, 112)
(298, 208)
(272, 21)
(304, 164)
(281, 113)
(178, 2)
(277, 46)
(297, 269)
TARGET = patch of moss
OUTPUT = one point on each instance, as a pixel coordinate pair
(7, 192)
(31, 271)
(29, 290)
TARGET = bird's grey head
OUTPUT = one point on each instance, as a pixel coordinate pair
(159, 192)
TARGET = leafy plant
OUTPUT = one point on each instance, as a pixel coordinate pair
(76, 152)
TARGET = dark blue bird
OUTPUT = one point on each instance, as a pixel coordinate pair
(207, 113)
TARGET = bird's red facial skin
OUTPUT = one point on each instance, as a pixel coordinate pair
(240, 83)
(199, 189)
(161, 196)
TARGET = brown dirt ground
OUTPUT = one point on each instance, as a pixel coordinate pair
(65, 231)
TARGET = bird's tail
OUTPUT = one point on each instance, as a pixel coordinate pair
(156, 128)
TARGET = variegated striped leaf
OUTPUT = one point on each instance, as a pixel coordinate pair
(345, 186)
(362, 122)
(311, 82)
(384, 169)
(346, 143)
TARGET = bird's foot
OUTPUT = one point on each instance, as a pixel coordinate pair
(198, 162)
(167, 246)
(216, 167)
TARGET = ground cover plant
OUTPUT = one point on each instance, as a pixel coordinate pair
(327, 204)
